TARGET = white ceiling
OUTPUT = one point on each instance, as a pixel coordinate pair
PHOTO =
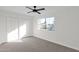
(23, 10)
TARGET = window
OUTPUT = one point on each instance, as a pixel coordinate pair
(48, 24)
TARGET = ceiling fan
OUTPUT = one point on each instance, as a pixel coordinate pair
(34, 9)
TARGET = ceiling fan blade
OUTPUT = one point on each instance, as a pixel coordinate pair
(38, 12)
(29, 11)
(29, 8)
(40, 9)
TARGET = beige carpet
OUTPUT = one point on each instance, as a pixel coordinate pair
(33, 44)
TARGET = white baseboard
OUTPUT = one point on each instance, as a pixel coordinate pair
(2, 43)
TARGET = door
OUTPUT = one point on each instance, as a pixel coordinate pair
(12, 29)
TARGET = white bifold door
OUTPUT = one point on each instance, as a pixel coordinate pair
(12, 29)
(16, 29)
(22, 28)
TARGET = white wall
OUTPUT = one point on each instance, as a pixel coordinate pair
(3, 31)
(10, 21)
(67, 27)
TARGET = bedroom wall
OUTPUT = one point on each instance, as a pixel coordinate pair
(3, 31)
(67, 26)
(10, 21)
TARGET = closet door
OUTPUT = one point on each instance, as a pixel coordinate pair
(22, 28)
(12, 29)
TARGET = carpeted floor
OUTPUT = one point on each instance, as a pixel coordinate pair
(33, 44)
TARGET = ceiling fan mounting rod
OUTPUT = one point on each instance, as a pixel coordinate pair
(34, 6)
